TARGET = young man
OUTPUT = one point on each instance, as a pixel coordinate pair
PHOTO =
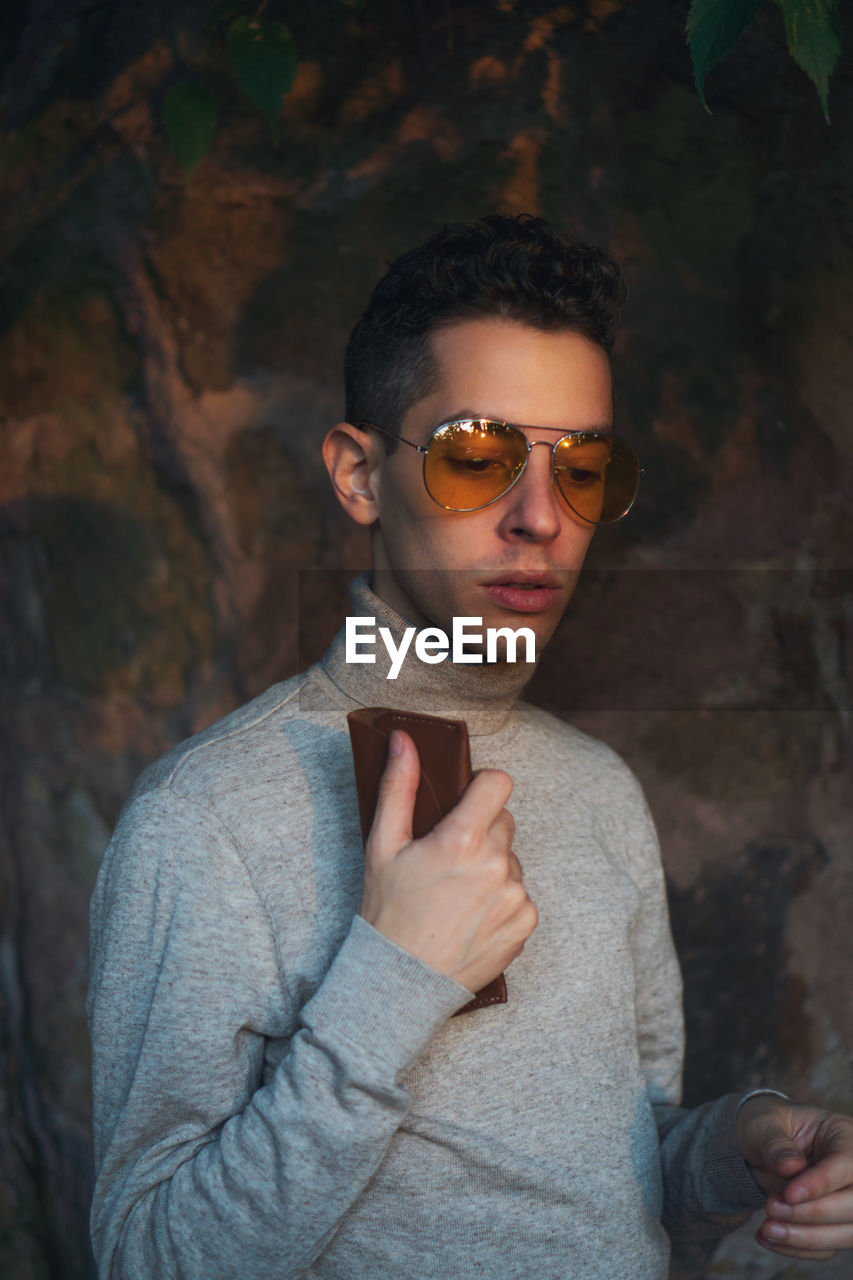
(280, 1088)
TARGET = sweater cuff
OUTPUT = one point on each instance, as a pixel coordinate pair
(381, 998)
(729, 1171)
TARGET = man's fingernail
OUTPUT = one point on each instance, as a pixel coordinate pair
(774, 1231)
(778, 1209)
(395, 746)
(798, 1194)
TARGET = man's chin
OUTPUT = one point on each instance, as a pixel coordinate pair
(543, 624)
(435, 598)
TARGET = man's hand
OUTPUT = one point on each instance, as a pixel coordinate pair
(454, 899)
(803, 1158)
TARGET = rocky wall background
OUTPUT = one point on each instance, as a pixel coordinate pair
(170, 357)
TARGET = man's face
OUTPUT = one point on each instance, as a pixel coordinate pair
(514, 563)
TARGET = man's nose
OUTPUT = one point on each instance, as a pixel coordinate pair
(534, 512)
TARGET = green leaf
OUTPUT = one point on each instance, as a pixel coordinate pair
(189, 119)
(814, 40)
(218, 12)
(713, 28)
(264, 60)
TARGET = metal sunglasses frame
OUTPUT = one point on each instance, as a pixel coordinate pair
(531, 444)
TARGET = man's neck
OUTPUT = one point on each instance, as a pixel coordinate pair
(480, 693)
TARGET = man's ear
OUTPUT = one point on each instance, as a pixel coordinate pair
(348, 455)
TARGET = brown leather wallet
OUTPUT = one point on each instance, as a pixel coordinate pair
(445, 773)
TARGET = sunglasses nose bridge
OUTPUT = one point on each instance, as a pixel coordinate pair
(523, 469)
(550, 445)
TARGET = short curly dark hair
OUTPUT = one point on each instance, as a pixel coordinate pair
(513, 268)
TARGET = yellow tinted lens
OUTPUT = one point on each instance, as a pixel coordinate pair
(471, 463)
(598, 475)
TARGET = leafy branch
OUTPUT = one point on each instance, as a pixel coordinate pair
(262, 57)
(812, 30)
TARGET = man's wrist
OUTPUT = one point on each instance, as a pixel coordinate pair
(744, 1112)
(746, 1108)
(761, 1093)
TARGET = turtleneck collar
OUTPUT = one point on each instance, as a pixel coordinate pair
(482, 694)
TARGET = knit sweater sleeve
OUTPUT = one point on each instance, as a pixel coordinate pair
(203, 1170)
(707, 1187)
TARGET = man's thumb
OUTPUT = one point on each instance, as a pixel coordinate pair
(783, 1157)
(398, 786)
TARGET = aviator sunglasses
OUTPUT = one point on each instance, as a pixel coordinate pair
(471, 462)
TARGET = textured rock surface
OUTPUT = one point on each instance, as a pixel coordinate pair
(169, 359)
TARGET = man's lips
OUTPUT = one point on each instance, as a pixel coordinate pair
(526, 578)
(525, 591)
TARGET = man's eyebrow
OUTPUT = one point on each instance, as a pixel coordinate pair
(603, 428)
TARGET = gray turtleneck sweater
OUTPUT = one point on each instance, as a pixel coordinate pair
(280, 1091)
